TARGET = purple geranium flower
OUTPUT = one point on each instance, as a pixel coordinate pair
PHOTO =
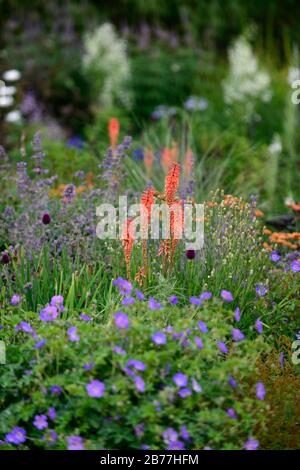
(196, 386)
(202, 326)
(260, 391)
(205, 295)
(251, 444)
(48, 313)
(222, 347)
(139, 384)
(40, 344)
(173, 300)
(121, 320)
(72, 333)
(120, 351)
(159, 338)
(95, 389)
(232, 382)
(274, 256)
(176, 445)
(24, 326)
(16, 436)
(55, 390)
(138, 365)
(259, 326)
(153, 305)
(40, 422)
(261, 290)
(139, 295)
(237, 335)
(184, 392)
(85, 317)
(195, 301)
(57, 301)
(226, 295)
(231, 413)
(237, 314)
(295, 266)
(125, 287)
(75, 443)
(198, 342)
(15, 300)
(52, 413)
(180, 379)
(184, 433)
(128, 301)
(169, 435)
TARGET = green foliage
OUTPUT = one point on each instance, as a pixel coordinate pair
(112, 420)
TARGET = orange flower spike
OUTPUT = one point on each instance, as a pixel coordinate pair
(188, 163)
(128, 241)
(172, 182)
(113, 130)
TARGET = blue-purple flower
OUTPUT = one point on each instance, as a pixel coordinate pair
(205, 295)
(237, 335)
(295, 266)
(222, 347)
(202, 326)
(261, 290)
(180, 379)
(95, 389)
(274, 256)
(16, 436)
(260, 391)
(226, 295)
(75, 443)
(48, 313)
(259, 326)
(40, 422)
(139, 384)
(153, 305)
(15, 300)
(251, 444)
(159, 338)
(195, 301)
(85, 317)
(72, 333)
(231, 413)
(121, 320)
(173, 300)
(198, 342)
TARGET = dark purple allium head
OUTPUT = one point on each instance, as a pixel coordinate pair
(190, 254)
(46, 219)
(5, 258)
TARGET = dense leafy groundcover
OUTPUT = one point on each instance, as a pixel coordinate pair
(157, 376)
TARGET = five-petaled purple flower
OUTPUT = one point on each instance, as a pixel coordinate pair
(95, 389)
(40, 422)
(16, 436)
(274, 256)
(159, 338)
(121, 320)
(180, 379)
(48, 313)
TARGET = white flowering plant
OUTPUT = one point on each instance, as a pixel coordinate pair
(106, 64)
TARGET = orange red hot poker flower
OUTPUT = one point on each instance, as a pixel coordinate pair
(113, 130)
